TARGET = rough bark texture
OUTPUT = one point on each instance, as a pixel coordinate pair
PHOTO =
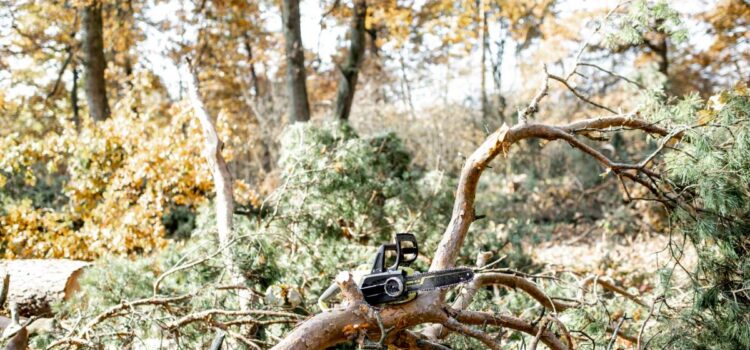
(36, 283)
(95, 63)
(74, 100)
(350, 70)
(295, 62)
(224, 189)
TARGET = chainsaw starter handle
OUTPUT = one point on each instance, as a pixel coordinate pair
(405, 254)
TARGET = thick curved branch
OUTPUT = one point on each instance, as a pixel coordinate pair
(464, 299)
(500, 141)
(530, 288)
(341, 324)
(335, 326)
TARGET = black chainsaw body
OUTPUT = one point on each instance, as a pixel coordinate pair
(387, 284)
(397, 283)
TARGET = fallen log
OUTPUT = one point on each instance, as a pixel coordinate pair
(35, 284)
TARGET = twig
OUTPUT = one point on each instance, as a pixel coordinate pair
(563, 329)
(452, 324)
(124, 306)
(579, 95)
(586, 64)
(207, 314)
(542, 328)
(643, 326)
(71, 341)
(486, 318)
(191, 264)
(528, 112)
(615, 332)
(611, 287)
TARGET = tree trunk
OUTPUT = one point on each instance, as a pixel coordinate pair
(350, 70)
(35, 284)
(74, 100)
(497, 73)
(295, 62)
(485, 48)
(253, 74)
(224, 190)
(95, 64)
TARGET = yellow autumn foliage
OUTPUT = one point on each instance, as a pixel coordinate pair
(120, 178)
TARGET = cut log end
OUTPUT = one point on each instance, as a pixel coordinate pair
(35, 284)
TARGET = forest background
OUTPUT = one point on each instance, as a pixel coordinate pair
(344, 122)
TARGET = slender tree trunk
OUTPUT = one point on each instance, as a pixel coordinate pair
(485, 48)
(295, 61)
(657, 41)
(74, 99)
(253, 74)
(224, 190)
(659, 45)
(350, 70)
(95, 64)
(497, 73)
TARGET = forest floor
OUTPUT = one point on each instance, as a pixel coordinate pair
(631, 260)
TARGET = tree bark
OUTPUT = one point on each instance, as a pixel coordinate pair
(350, 70)
(295, 62)
(485, 48)
(35, 284)
(95, 63)
(74, 100)
(253, 74)
(224, 189)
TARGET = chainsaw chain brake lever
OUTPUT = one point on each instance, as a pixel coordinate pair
(405, 248)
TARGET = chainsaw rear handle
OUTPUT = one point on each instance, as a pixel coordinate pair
(406, 250)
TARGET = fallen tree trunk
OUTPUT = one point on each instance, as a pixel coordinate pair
(37, 283)
(357, 319)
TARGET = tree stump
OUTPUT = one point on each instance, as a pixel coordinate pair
(37, 283)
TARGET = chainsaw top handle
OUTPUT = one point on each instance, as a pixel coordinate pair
(406, 250)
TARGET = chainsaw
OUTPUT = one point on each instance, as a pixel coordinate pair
(398, 283)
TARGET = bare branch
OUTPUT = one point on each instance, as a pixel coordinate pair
(615, 332)
(485, 318)
(643, 327)
(579, 95)
(208, 314)
(485, 338)
(115, 310)
(611, 287)
(586, 64)
(528, 112)
(71, 341)
(542, 328)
